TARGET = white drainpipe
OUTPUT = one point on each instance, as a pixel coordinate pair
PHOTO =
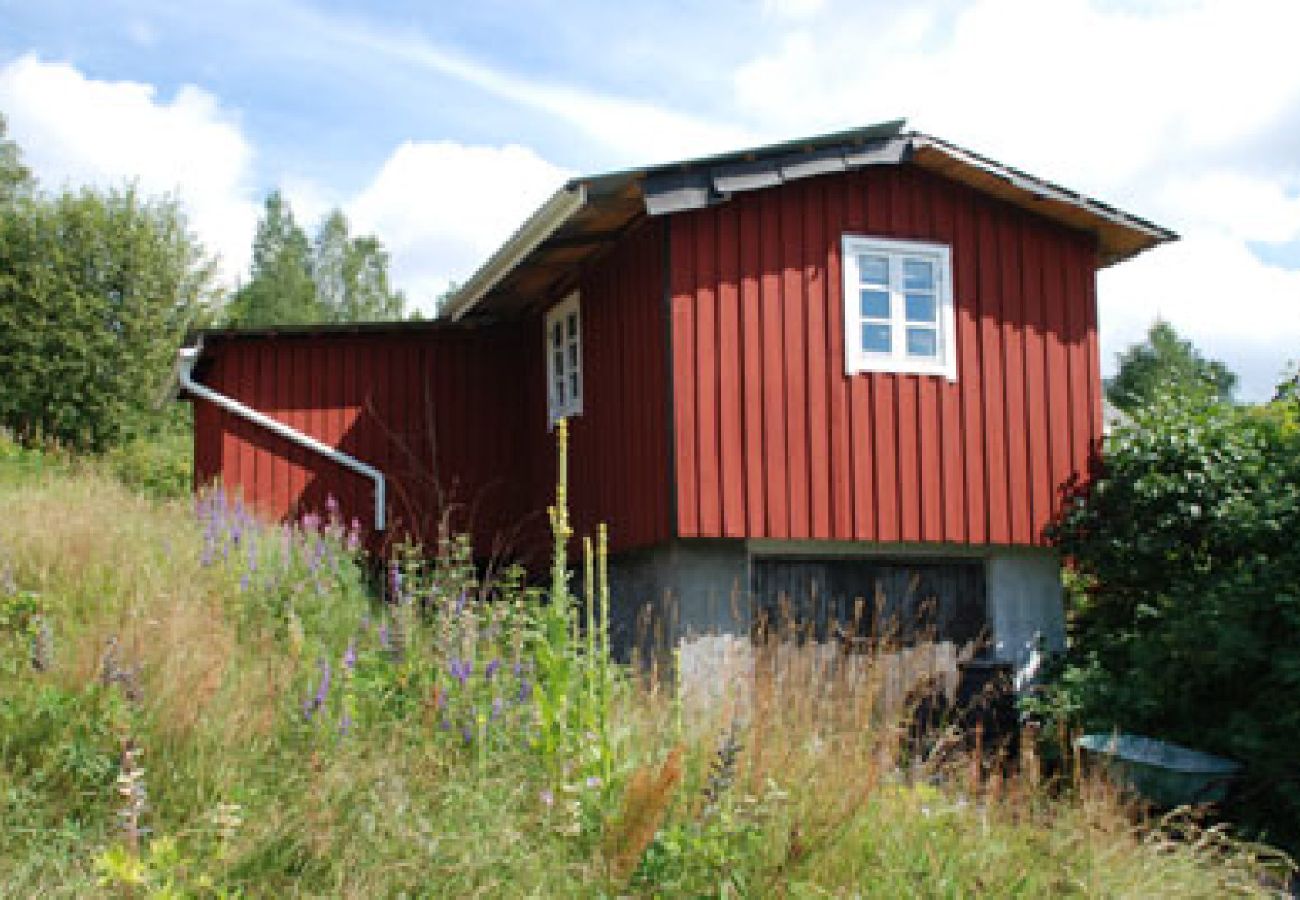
(187, 357)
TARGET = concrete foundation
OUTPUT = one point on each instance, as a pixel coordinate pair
(681, 592)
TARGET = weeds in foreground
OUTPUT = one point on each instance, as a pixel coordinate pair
(195, 704)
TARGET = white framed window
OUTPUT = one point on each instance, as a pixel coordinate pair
(898, 314)
(564, 358)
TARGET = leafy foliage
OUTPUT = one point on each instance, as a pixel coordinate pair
(1187, 626)
(295, 281)
(1166, 363)
(96, 291)
(14, 177)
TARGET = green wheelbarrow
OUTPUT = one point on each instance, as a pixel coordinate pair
(1166, 774)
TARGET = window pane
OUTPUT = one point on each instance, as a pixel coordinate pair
(875, 304)
(921, 308)
(873, 269)
(557, 364)
(573, 325)
(573, 354)
(557, 334)
(918, 275)
(875, 337)
(559, 392)
(922, 342)
(575, 389)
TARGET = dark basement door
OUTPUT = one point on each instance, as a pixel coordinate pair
(897, 602)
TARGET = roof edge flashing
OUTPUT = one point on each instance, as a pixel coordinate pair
(543, 223)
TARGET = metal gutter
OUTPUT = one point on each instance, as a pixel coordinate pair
(188, 357)
(538, 227)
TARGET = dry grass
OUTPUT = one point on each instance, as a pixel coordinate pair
(797, 778)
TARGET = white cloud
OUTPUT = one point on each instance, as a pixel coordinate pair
(76, 130)
(631, 129)
(1148, 106)
(442, 207)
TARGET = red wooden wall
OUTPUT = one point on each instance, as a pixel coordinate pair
(773, 440)
(435, 409)
(464, 404)
(619, 446)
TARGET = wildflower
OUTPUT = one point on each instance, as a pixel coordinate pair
(445, 724)
(384, 643)
(468, 734)
(322, 691)
(310, 521)
(547, 798)
(497, 705)
(461, 670)
(460, 602)
(593, 782)
(345, 724)
(350, 656)
(491, 669)
(525, 690)
(395, 582)
(243, 583)
(354, 536)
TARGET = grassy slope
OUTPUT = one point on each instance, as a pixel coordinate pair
(256, 800)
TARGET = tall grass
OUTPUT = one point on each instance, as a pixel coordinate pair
(195, 703)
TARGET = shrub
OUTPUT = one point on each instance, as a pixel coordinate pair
(1187, 626)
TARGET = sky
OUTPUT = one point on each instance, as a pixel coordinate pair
(439, 127)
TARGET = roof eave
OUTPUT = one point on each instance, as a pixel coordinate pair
(543, 223)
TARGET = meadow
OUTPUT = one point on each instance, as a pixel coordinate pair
(196, 704)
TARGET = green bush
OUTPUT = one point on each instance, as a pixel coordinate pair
(1187, 626)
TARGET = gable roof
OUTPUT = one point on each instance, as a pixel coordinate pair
(542, 257)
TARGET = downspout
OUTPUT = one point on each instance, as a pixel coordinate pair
(187, 357)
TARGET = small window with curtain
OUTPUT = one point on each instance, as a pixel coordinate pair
(898, 309)
(564, 358)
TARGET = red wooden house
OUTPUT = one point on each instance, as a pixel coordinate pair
(857, 365)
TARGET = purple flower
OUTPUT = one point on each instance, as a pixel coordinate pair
(383, 636)
(525, 690)
(445, 725)
(345, 724)
(461, 670)
(354, 536)
(395, 582)
(593, 782)
(350, 656)
(468, 734)
(491, 669)
(310, 521)
(323, 690)
(243, 583)
(497, 706)
(547, 798)
(460, 603)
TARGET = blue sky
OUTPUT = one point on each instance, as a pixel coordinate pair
(440, 127)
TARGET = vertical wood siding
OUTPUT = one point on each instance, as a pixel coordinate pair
(436, 410)
(619, 446)
(772, 439)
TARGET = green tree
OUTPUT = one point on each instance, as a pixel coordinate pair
(96, 291)
(1187, 626)
(1166, 363)
(14, 177)
(280, 290)
(351, 275)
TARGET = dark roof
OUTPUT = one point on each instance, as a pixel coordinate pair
(542, 258)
